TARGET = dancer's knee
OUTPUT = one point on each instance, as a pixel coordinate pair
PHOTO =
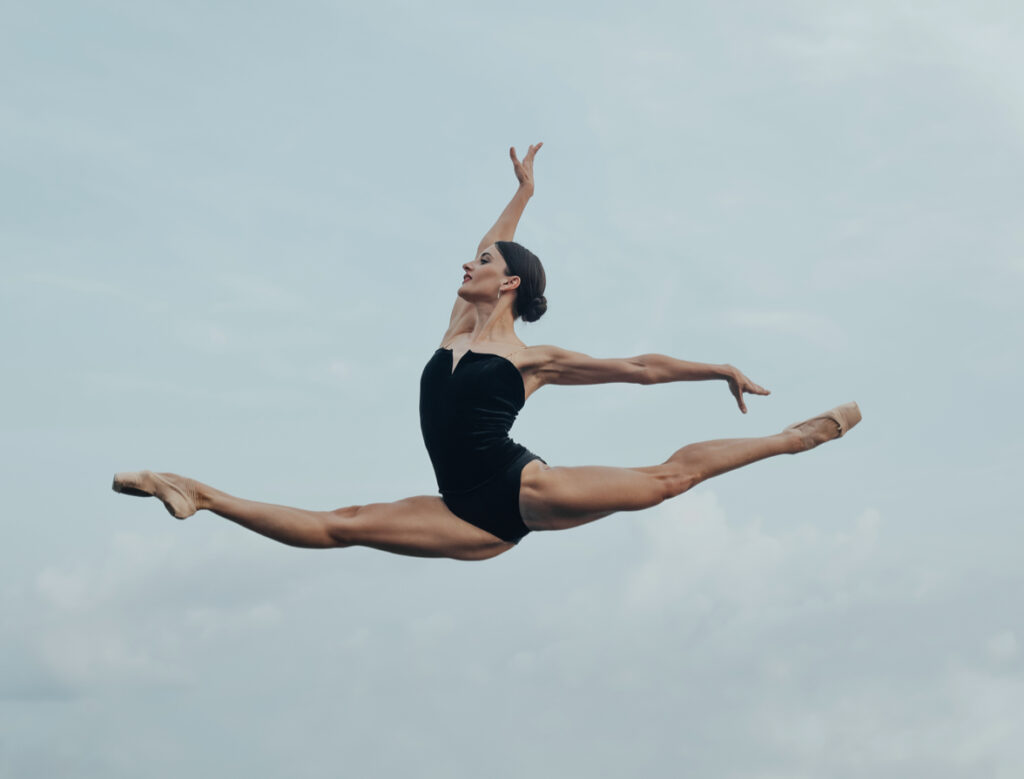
(675, 479)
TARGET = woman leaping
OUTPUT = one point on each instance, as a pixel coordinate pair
(493, 490)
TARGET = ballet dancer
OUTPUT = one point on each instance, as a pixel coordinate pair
(494, 491)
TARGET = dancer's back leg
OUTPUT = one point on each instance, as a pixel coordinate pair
(420, 526)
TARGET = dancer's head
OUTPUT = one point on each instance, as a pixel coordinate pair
(506, 269)
(530, 303)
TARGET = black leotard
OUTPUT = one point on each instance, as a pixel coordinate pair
(465, 415)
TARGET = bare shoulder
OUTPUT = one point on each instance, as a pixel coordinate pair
(546, 357)
(533, 358)
(540, 364)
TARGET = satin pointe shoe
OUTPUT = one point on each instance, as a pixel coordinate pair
(846, 416)
(146, 483)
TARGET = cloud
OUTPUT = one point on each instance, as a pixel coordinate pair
(814, 646)
(806, 325)
(98, 288)
(1003, 646)
(130, 619)
(823, 645)
(980, 43)
(836, 45)
(250, 293)
(984, 46)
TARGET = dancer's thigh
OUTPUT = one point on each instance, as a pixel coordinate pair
(422, 527)
(557, 498)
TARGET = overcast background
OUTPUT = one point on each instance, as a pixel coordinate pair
(230, 237)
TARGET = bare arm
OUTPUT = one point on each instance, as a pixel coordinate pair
(560, 366)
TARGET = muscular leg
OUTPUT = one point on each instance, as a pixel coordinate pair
(560, 498)
(421, 526)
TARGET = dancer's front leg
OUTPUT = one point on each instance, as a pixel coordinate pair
(421, 526)
(561, 498)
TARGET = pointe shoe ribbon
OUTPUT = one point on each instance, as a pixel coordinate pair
(146, 483)
(846, 416)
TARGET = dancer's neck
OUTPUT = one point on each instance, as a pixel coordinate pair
(494, 322)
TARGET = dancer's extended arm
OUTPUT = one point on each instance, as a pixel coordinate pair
(561, 366)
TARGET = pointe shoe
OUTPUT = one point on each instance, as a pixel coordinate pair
(846, 416)
(146, 483)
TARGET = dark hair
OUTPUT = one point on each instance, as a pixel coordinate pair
(520, 261)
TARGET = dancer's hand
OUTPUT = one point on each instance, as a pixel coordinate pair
(738, 384)
(524, 169)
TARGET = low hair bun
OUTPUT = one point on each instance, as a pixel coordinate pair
(535, 309)
(520, 261)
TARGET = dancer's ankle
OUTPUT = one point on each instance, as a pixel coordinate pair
(201, 494)
(198, 493)
(814, 432)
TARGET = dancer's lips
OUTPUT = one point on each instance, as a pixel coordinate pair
(467, 277)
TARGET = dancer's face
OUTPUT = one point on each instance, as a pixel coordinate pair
(485, 276)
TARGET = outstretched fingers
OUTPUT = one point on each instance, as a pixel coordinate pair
(524, 169)
(530, 153)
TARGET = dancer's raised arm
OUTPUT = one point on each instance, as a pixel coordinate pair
(554, 365)
(503, 230)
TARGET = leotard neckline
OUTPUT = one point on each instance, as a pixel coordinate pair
(455, 365)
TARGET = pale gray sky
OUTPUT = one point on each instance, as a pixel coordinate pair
(230, 237)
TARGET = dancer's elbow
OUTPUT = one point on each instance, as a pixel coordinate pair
(645, 370)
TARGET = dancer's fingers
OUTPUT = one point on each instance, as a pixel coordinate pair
(737, 392)
(512, 154)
